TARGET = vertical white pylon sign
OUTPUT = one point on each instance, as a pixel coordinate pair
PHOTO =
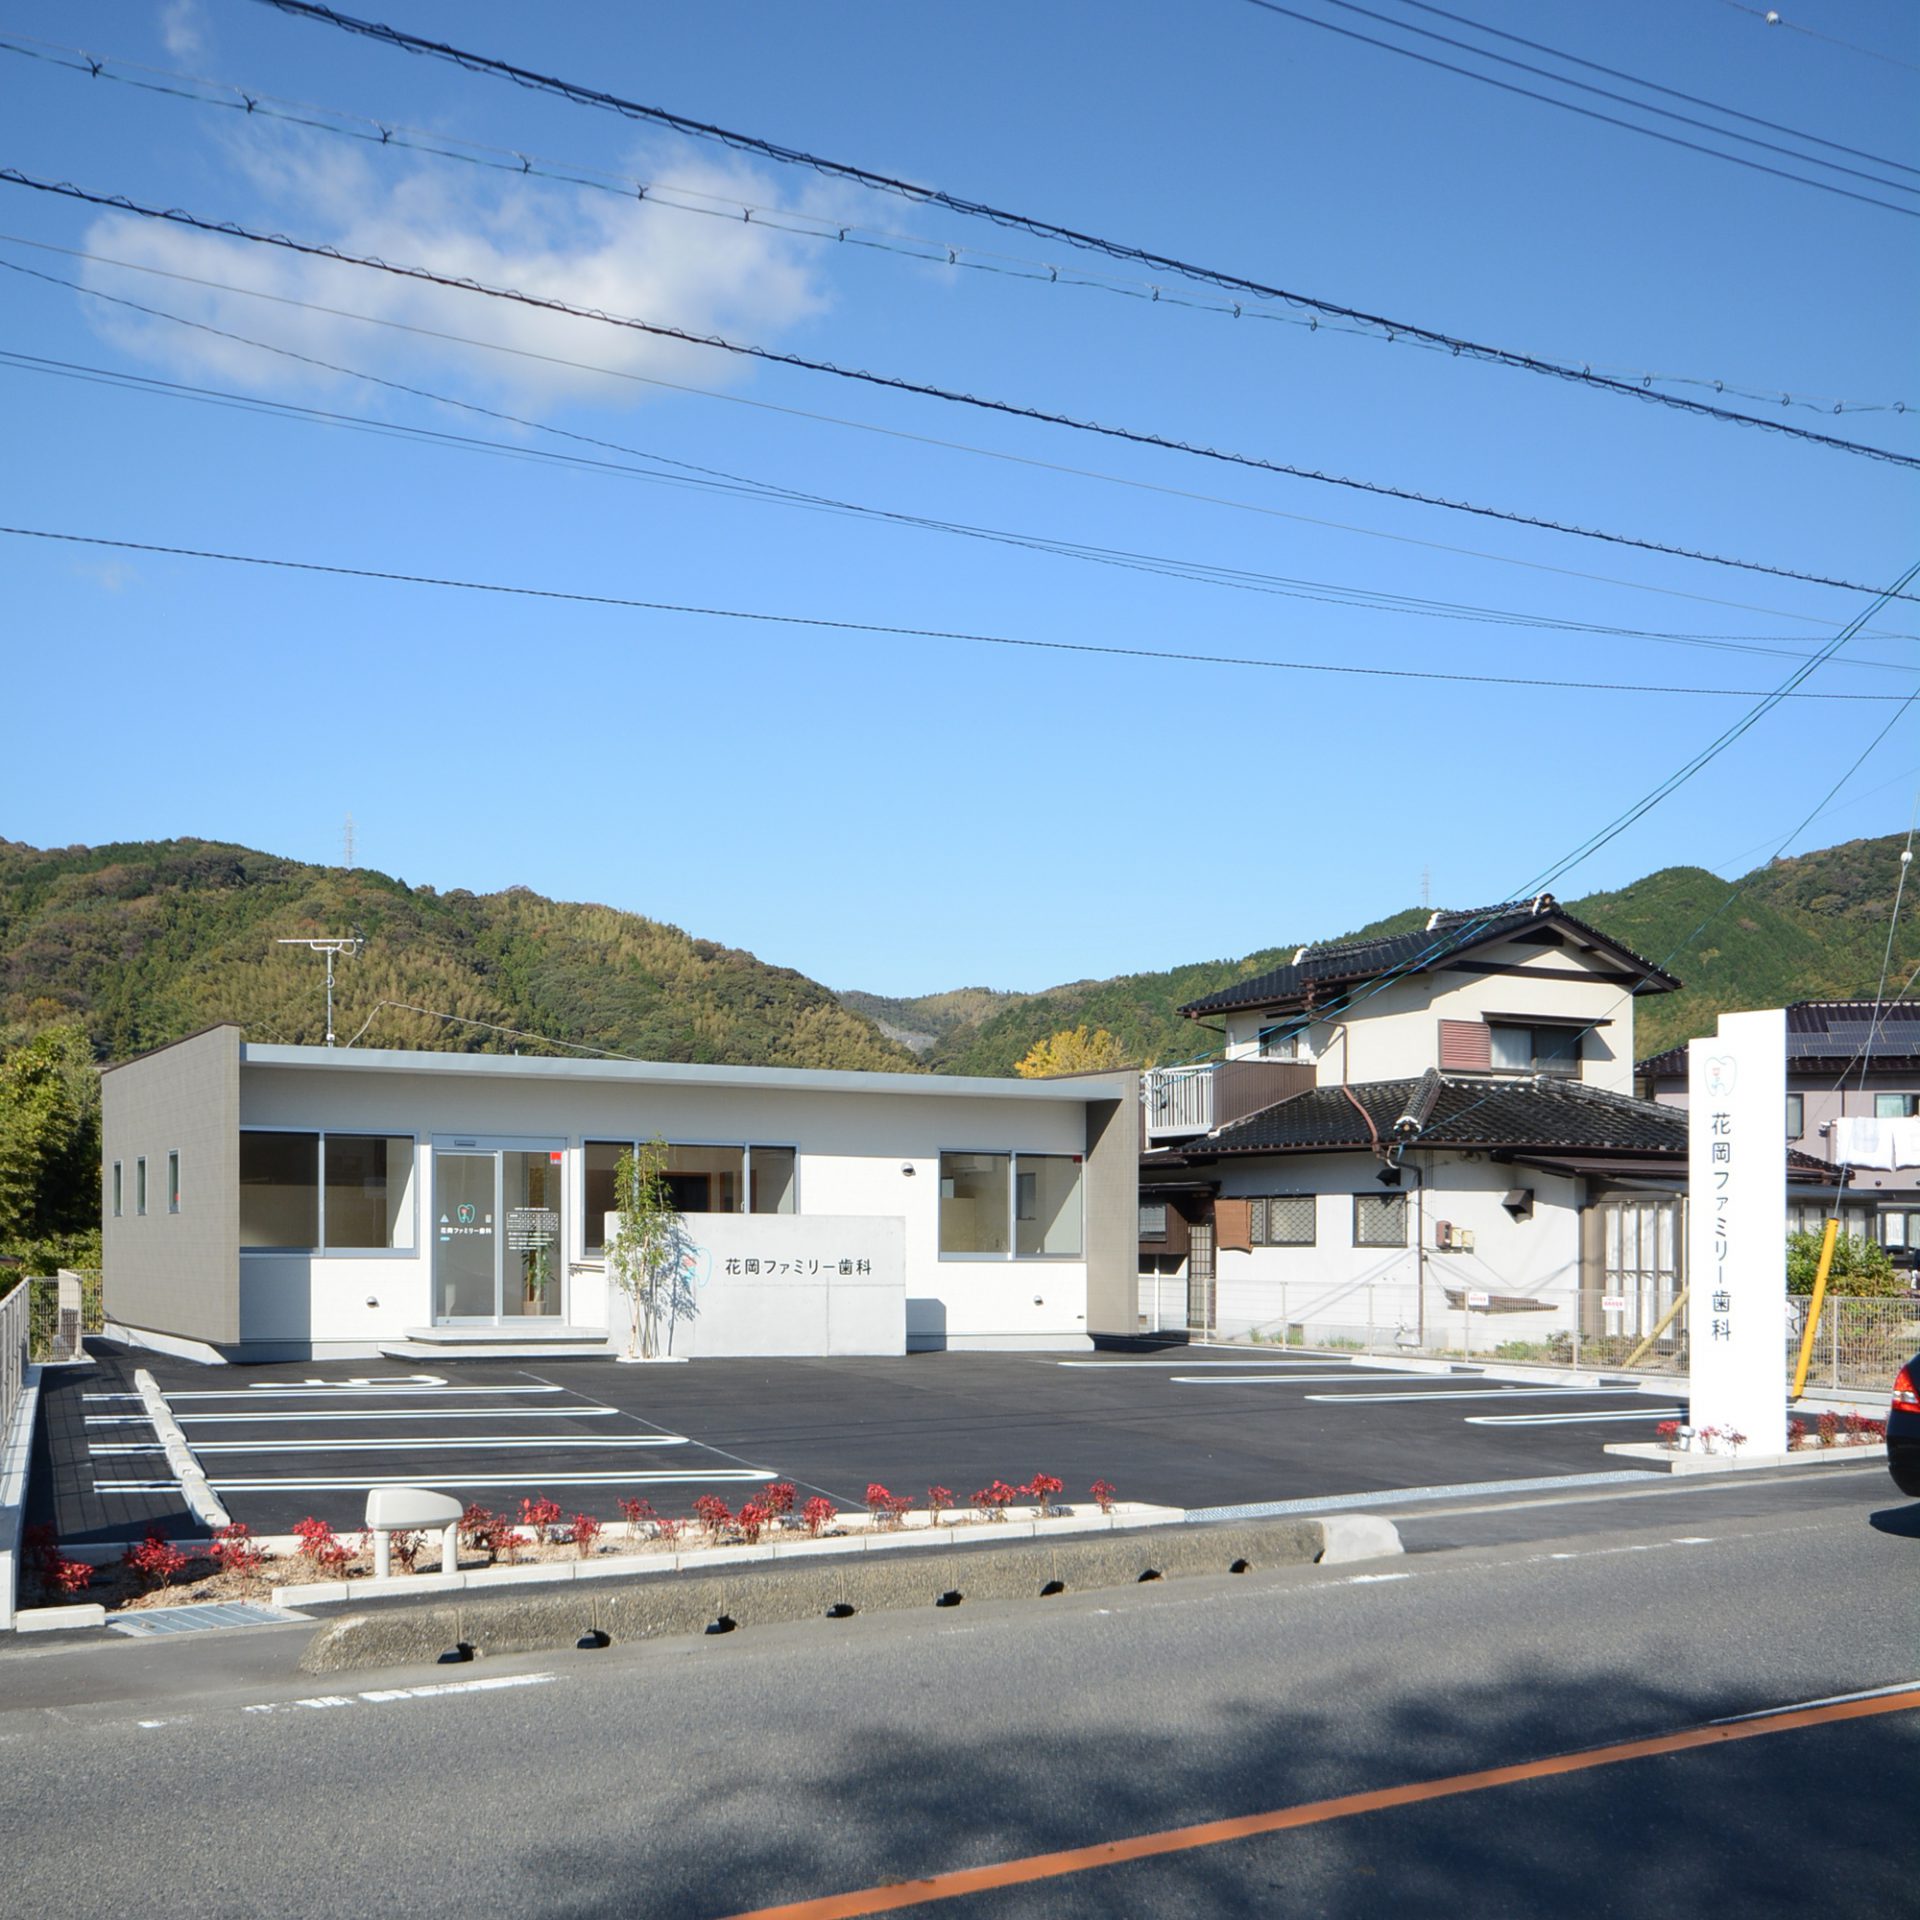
(1737, 1230)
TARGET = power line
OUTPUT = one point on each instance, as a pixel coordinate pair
(899, 384)
(1457, 345)
(1639, 106)
(921, 249)
(1130, 481)
(1654, 86)
(1547, 99)
(721, 480)
(1773, 18)
(1343, 668)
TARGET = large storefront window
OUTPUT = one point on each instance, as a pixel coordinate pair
(1011, 1205)
(701, 1180)
(341, 1192)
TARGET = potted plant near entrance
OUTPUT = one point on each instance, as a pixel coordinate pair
(645, 1252)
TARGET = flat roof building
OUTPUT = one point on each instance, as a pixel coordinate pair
(286, 1202)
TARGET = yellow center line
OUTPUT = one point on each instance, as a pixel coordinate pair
(1213, 1833)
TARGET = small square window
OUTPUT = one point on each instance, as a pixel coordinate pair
(1379, 1219)
(1284, 1220)
(1153, 1220)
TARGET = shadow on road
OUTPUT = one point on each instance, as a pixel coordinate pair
(1902, 1522)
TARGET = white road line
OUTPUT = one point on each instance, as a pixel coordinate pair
(1372, 1579)
(333, 1393)
(446, 1443)
(1571, 1419)
(1475, 1393)
(1225, 1366)
(590, 1411)
(385, 1696)
(109, 1396)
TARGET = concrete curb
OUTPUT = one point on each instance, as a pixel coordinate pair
(16, 1457)
(595, 1613)
(1813, 1457)
(202, 1502)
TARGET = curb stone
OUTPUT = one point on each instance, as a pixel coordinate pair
(585, 1609)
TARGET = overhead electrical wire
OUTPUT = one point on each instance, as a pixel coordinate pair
(1606, 93)
(177, 216)
(1133, 482)
(691, 474)
(1655, 86)
(1343, 669)
(918, 249)
(1773, 17)
(1456, 344)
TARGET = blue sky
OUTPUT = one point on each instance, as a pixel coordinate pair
(911, 814)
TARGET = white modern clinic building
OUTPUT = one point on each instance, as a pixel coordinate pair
(266, 1202)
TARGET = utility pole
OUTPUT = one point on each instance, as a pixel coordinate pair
(331, 944)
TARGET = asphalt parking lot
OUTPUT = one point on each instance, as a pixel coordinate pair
(1192, 1429)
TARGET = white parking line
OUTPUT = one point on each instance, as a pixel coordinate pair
(399, 1392)
(591, 1411)
(447, 1444)
(1474, 1393)
(1224, 1378)
(1235, 1366)
(360, 1482)
(1570, 1419)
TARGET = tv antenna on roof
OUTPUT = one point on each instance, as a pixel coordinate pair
(329, 944)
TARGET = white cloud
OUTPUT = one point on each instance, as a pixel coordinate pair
(183, 29)
(587, 248)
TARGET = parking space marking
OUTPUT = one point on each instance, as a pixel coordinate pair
(1142, 1366)
(399, 1390)
(1572, 1419)
(1475, 1393)
(1223, 1377)
(451, 1443)
(589, 1412)
(362, 1481)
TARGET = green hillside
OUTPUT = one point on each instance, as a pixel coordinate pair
(147, 941)
(1808, 928)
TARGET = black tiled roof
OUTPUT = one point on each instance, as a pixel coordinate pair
(1446, 935)
(1827, 1033)
(1538, 1115)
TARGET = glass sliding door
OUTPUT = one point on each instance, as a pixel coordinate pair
(531, 1255)
(498, 1247)
(466, 1277)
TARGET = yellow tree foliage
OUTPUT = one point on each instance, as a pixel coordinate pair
(1072, 1050)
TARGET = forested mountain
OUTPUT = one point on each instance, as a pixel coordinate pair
(1808, 928)
(146, 941)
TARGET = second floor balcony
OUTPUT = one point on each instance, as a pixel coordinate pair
(1179, 1103)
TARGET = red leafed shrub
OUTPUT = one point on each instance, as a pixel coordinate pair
(586, 1530)
(714, 1515)
(56, 1573)
(1829, 1425)
(1668, 1433)
(878, 1501)
(405, 1544)
(995, 1498)
(778, 1497)
(543, 1516)
(639, 1513)
(154, 1561)
(939, 1499)
(1041, 1489)
(1796, 1435)
(1861, 1430)
(489, 1532)
(235, 1550)
(321, 1545)
(666, 1529)
(752, 1520)
(1103, 1492)
(818, 1515)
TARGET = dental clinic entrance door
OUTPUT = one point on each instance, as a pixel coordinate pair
(498, 1249)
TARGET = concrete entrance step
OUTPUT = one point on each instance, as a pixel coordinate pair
(534, 1342)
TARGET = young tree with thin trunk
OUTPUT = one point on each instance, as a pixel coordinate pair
(644, 1251)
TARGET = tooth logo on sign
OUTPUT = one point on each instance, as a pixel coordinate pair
(1721, 1075)
(464, 1213)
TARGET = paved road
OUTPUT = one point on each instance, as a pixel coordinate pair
(1191, 1430)
(716, 1776)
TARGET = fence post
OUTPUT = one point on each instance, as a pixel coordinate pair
(1833, 1342)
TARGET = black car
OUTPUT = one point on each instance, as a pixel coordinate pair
(1903, 1429)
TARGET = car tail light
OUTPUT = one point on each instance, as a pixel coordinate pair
(1905, 1399)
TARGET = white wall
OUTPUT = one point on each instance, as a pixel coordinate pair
(1394, 1034)
(1335, 1288)
(854, 1149)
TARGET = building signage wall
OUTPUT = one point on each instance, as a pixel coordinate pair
(1737, 1230)
(787, 1283)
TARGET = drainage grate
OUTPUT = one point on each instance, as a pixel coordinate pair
(226, 1613)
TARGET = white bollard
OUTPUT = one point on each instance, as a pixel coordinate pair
(393, 1510)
